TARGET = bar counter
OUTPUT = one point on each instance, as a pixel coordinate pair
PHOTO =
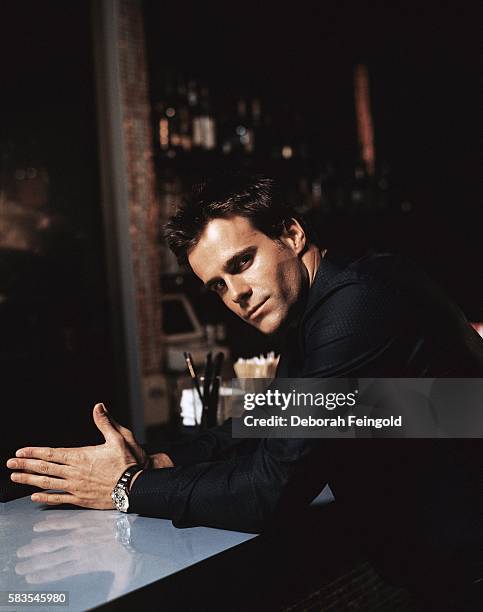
(109, 560)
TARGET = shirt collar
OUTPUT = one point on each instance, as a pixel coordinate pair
(326, 272)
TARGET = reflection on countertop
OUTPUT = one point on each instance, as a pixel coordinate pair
(96, 555)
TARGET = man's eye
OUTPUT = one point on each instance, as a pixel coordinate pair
(245, 259)
(218, 286)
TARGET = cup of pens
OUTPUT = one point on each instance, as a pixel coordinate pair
(199, 403)
(191, 405)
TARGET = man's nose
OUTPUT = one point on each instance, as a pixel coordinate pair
(240, 291)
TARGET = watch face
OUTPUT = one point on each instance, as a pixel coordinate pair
(123, 530)
(120, 499)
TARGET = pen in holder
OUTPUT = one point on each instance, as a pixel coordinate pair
(206, 391)
(212, 371)
(210, 383)
(192, 410)
(212, 412)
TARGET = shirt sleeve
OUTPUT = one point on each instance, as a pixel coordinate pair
(216, 443)
(350, 334)
(356, 332)
(243, 493)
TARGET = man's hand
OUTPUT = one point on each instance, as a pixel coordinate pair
(86, 475)
(75, 543)
(160, 460)
(137, 450)
(155, 461)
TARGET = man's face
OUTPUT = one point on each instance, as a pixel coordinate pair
(259, 279)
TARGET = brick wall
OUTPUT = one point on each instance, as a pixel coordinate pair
(144, 208)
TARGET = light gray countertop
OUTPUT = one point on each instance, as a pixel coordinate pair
(97, 555)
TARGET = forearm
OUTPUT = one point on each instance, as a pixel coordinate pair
(209, 445)
(244, 493)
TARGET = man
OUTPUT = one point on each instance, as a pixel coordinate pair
(375, 317)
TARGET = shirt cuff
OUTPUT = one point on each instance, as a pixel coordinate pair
(151, 492)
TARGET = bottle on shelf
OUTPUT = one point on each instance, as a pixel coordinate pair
(383, 187)
(256, 107)
(247, 131)
(195, 114)
(316, 195)
(207, 121)
(327, 188)
(170, 121)
(241, 139)
(162, 123)
(225, 134)
(358, 190)
(184, 119)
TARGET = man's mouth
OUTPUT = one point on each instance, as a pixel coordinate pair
(255, 311)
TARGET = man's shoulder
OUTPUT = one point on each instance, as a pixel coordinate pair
(343, 286)
(352, 317)
(385, 304)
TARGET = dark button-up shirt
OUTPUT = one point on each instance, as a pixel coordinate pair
(374, 317)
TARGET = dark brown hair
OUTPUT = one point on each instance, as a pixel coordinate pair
(255, 197)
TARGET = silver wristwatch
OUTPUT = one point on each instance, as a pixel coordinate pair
(120, 493)
(123, 532)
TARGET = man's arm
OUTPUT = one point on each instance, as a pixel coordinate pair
(241, 493)
(211, 445)
(358, 331)
(244, 493)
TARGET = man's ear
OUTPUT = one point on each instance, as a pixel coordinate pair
(294, 236)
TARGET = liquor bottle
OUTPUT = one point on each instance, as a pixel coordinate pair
(241, 137)
(246, 130)
(317, 191)
(358, 190)
(257, 126)
(195, 113)
(291, 143)
(162, 124)
(207, 121)
(225, 130)
(241, 107)
(383, 187)
(256, 112)
(184, 123)
(170, 125)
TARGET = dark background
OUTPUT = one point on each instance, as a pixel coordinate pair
(55, 351)
(424, 63)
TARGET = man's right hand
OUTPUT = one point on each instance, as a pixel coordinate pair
(139, 453)
(160, 460)
(155, 461)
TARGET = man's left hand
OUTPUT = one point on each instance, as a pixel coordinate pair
(86, 475)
